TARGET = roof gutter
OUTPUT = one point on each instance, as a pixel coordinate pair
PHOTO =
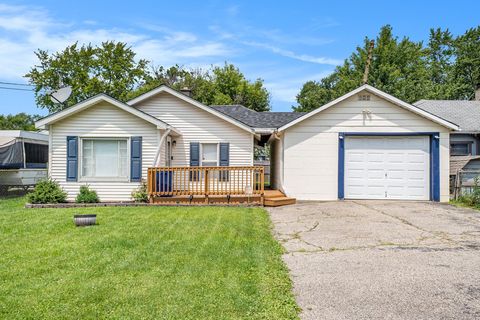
(264, 130)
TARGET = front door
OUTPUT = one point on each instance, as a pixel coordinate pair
(168, 152)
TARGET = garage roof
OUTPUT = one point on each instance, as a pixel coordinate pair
(381, 94)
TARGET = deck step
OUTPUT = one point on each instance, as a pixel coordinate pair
(278, 201)
(273, 194)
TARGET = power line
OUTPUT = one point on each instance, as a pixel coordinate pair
(18, 89)
(17, 84)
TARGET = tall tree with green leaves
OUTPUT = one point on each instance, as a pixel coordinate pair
(217, 85)
(20, 121)
(466, 71)
(109, 68)
(439, 55)
(397, 67)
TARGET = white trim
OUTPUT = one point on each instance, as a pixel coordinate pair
(43, 123)
(50, 152)
(164, 88)
(264, 130)
(156, 161)
(381, 94)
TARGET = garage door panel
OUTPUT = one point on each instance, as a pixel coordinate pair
(387, 168)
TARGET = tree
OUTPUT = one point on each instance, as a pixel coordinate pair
(110, 68)
(217, 85)
(21, 121)
(466, 71)
(398, 67)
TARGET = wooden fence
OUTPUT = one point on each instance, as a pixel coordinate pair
(463, 182)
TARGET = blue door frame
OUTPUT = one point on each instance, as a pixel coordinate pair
(434, 158)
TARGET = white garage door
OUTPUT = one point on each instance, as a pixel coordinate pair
(387, 168)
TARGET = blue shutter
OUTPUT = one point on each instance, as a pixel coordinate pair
(224, 160)
(72, 158)
(224, 154)
(136, 159)
(194, 160)
(194, 154)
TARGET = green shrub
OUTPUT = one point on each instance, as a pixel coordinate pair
(140, 194)
(86, 195)
(47, 191)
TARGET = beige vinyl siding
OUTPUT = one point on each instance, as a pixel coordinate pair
(198, 125)
(311, 146)
(101, 121)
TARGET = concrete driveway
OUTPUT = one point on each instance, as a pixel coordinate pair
(382, 259)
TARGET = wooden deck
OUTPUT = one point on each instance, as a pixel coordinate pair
(206, 185)
(212, 185)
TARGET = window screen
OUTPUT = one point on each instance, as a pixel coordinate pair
(209, 155)
(36, 153)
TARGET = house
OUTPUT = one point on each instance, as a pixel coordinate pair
(364, 145)
(466, 114)
(465, 143)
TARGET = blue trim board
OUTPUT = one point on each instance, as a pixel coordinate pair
(435, 167)
(434, 158)
(386, 134)
(341, 166)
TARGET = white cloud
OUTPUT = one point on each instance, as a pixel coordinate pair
(233, 10)
(273, 39)
(24, 30)
(293, 55)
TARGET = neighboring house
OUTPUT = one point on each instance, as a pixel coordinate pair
(465, 143)
(364, 145)
(464, 113)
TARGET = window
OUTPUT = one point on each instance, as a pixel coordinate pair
(36, 155)
(461, 148)
(105, 158)
(209, 154)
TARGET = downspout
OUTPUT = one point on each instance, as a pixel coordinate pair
(276, 137)
(156, 161)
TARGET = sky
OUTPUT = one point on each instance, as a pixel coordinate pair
(285, 43)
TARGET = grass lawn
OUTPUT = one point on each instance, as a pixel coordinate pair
(141, 262)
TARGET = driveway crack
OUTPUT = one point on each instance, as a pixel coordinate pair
(438, 235)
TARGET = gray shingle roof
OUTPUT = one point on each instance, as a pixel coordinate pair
(256, 119)
(464, 113)
(459, 162)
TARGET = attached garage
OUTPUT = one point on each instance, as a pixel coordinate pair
(366, 144)
(387, 167)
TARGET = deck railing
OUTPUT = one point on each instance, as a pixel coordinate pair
(206, 181)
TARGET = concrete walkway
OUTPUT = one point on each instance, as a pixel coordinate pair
(382, 259)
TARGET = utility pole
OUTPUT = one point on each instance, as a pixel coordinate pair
(369, 61)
